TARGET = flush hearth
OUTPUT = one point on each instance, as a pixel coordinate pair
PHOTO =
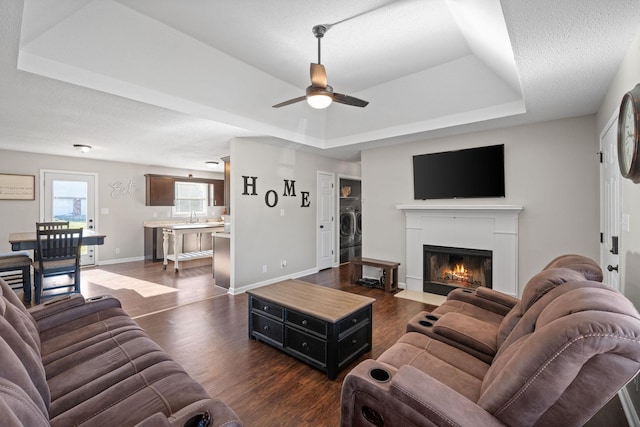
(448, 268)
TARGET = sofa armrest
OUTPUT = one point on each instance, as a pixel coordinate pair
(473, 333)
(485, 298)
(62, 310)
(439, 403)
(409, 398)
(218, 412)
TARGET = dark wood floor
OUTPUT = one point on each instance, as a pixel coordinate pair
(205, 330)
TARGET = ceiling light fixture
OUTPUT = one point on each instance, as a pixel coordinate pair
(82, 148)
(211, 164)
(319, 97)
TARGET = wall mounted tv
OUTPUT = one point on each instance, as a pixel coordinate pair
(468, 173)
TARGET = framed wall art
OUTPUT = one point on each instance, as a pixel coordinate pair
(17, 187)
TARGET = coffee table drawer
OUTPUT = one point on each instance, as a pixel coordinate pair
(353, 320)
(267, 327)
(353, 344)
(307, 322)
(267, 307)
(307, 345)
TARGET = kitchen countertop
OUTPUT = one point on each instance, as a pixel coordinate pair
(203, 223)
(193, 226)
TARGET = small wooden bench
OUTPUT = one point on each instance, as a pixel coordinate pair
(390, 269)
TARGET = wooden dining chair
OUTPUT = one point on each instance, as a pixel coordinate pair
(49, 225)
(52, 225)
(58, 254)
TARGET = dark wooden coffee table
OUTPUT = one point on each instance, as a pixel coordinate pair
(323, 327)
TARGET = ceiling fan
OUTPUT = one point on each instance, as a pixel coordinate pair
(320, 94)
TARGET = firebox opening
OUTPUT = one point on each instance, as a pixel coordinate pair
(448, 268)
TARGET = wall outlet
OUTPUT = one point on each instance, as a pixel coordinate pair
(283, 263)
(264, 268)
(117, 251)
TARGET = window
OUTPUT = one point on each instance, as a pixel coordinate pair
(191, 198)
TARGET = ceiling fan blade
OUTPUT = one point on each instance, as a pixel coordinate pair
(289, 102)
(318, 75)
(349, 100)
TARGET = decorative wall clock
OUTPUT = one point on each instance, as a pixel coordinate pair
(628, 132)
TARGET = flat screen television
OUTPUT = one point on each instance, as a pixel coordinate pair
(468, 173)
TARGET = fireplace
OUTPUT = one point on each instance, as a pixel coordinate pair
(489, 227)
(447, 268)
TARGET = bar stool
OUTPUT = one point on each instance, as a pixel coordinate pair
(17, 266)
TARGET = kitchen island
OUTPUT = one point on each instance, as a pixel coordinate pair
(222, 259)
(178, 231)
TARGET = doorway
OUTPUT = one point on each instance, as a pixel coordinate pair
(70, 196)
(325, 215)
(610, 204)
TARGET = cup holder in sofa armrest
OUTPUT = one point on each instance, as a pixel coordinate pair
(98, 298)
(380, 375)
(200, 420)
(430, 320)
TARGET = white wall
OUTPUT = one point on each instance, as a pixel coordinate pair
(124, 223)
(261, 236)
(550, 168)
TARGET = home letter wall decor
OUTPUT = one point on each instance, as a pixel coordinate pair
(248, 184)
(271, 196)
(289, 188)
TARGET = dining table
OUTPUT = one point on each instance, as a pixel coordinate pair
(26, 240)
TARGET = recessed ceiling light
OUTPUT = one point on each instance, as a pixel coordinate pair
(82, 148)
(211, 164)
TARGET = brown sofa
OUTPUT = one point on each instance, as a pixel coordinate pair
(495, 313)
(560, 354)
(85, 362)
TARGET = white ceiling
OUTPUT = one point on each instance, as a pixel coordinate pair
(170, 82)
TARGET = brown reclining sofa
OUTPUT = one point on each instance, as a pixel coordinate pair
(85, 362)
(555, 357)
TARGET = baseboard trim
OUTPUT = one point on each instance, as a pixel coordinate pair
(120, 260)
(629, 410)
(243, 289)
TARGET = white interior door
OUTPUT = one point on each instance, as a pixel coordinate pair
(610, 205)
(69, 196)
(326, 231)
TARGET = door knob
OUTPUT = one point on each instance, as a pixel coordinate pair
(322, 226)
(611, 268)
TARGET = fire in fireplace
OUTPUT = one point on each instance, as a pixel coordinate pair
(448, 268)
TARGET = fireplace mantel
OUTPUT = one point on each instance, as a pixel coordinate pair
(514, 208)
(489, 227)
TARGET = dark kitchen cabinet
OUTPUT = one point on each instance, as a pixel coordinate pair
(160, 190)
(218, 192)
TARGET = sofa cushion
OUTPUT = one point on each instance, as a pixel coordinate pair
(536, 288)
(449, 365)
(17, 408)
(162, 387)
(20, 361)
(583, 265)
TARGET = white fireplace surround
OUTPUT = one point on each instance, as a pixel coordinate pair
(489, 227)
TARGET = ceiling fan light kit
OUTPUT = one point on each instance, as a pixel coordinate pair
(320, 95)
